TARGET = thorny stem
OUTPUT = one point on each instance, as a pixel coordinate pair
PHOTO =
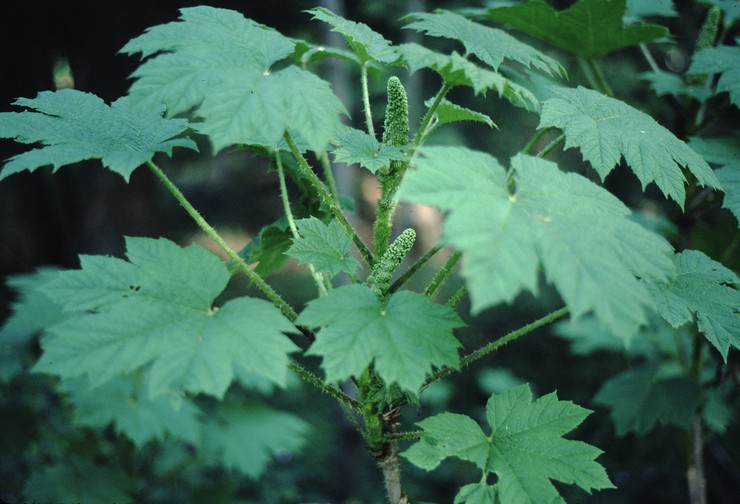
(535, 138)
(600, 79)
(456, 296)
(422, 132)
(318, 277)
(551, 146)
(324, 194)
(413, 269)
(366, 101)
(442, 274)
(329, 176)
(317, 382)
(241, 265)
(495, 345)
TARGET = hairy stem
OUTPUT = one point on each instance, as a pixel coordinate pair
(495, 345)
(241, 265)
(329, 176)
(392, 475)
(535, 138)
(327, 198)
(442, 274)
(695, 472)
(413, 269)
(366, 101)
(422, 132)
(551, 146)
(317, 382)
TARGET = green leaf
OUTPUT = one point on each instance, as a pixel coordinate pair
(476, 493)
(327, 246)
(244, 437)
(706, 289)
(490, 45)
(579, 232)
(667, 83)
(646, 8)
(639, 398)
(125, 402)
(588, 28)
(357, 147)
(525, 449)
(723, 60)
(165, 318)
(404, 336)
(74, 126)
(79, 480)
(724, 152)
(606, 129)
(219, 63)
(455, 70)
(448, 112)
(366, 43)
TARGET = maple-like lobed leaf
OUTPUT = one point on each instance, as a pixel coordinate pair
(525, 448)
(327, 246)
(725, 61)
(606, 129)
(220, 64)
(354, 146)
(165, 321)
(74, 126)
(588, 28)
(577, 231)
(448, 112)
(404, 337)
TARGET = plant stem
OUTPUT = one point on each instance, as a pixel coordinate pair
(413, 269)
(329, 176)
(422, 132)
(241, 265)
(495, 345)
(324, 194)
(317, 382)
(551, 146)
(442, 274)
(603, 85)
(366, 101)
(456, 296)
(695, 472)
(535, 138)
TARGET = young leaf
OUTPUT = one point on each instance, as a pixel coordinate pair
(724, 152)
(639, 398)
(355, 146)
(490, 45)
(127, 404)
(525, 449)
(404, 336)
(165, 318)
(588, 28)
(327, 246)
(704, 288)
(74, 126)
(723, 60)
(366, 43)
(579, 232)
(220, 63)
(606, 129)
(244, 437)
(448, 112)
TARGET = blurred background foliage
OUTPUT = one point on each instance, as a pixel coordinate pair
(49, 220)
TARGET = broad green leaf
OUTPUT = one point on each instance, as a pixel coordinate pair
(606, 129)
(456, 70)
(33, 312)
(646, 8)
(327, 246)
(218, 62)
(125, 402)
(268, 248)
(724, 152)
(490, 45)
(525, 449)
(588, 28)
(74, 126)
(706, 289)
(476, 493)
(404, 336)
(507, 225)
(79, 479)
(667, 83)
(639, 399)
(723, 60)
(245, 437)
(718, 410)
(357, 147)
(448, 112)
(366, 43)
(166, 318)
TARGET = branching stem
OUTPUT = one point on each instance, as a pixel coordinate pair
(366, 101)
(317, 382)
(442, 274)
(413, 269)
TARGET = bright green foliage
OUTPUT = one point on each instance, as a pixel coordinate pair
(356, 146)
(380, 278)
(456, 70)
(724, 152)
(327, 246)
(588, 28)
(448, 112)
(723, 60)
(706, 289)
(579, 232)
(524, 449)
(160, 312)
(220, 63)
(490, 45)
(640, 398)
(367, 44)
(404, 336)
(77, 479)
(74, 126)
(396, 126)
(245, 436)
(125, 402)
(606, 129)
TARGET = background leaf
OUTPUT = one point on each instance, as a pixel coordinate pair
(357, 147)
(74, 126)
(725, 61)
(724, 152)
(327, 246)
